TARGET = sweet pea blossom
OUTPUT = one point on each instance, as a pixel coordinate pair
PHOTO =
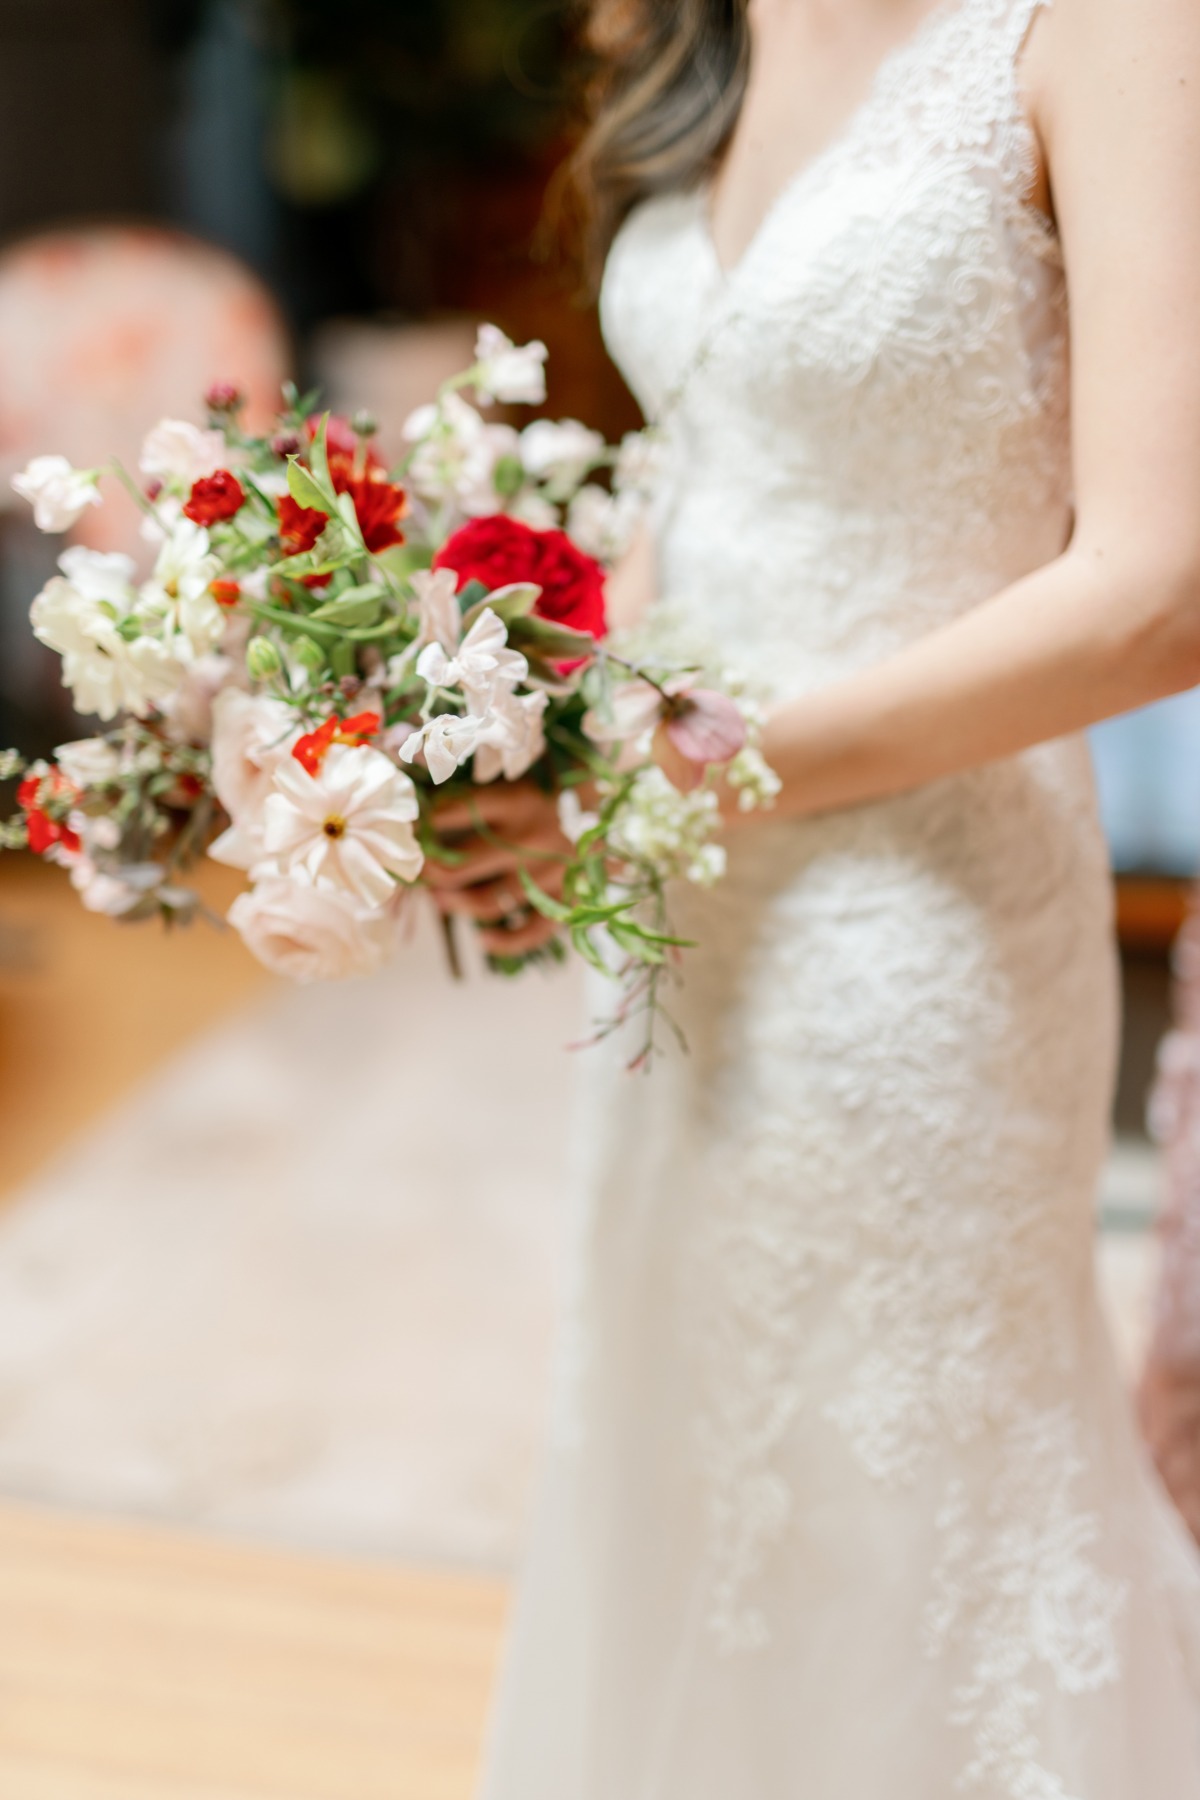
(560, 451)
(481, 665)
(447, 742)
(80, 614)
(179, 451)
(59, 494)
(457, 455)
(439, 613)
(603, 524)
(504, 372)
(311, 933)
(512, 737)
(702, 725)
(89, 762)
(349, 825)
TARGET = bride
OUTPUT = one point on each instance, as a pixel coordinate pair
(843, 1500)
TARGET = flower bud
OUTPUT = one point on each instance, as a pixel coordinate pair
(308, 654)
(364, 424)
(262, 659)
(224, 397)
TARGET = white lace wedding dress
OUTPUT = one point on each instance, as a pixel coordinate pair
(843, 1500)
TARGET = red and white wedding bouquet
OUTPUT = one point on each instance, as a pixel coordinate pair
(327, 648)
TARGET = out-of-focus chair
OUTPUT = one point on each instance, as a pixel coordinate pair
(104, 329)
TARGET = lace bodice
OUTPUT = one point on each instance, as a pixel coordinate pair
(875, 396)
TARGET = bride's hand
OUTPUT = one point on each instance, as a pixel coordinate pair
(500, 830)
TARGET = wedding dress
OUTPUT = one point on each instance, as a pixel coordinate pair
(843, 1500)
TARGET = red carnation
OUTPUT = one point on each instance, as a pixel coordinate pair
(299, 526)
(499, 551)
(214, 498)
(380, 505)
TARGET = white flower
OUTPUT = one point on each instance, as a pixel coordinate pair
(179, 451)
(447, 741)
(348, 826)
(189, 710)
(573, 818)
(252, 734)
(177, 597)
(514, 376)
(755, 779)
(59, 494)
(88, 762)
(640, 461)
(312, 933)
(632, 716)
(561, 452)
(113, 892)
(161, 520)
(670, 830)
(532, 510)
(603, 524)
(481, 666)
(457, 454)
(80, 614)
(439, 614)
(512, 737)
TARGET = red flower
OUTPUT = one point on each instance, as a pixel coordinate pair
(214, 498)
(309, 751)
(225, 593)
(44, 831)
(299, 526)
(379, 505)
(499, 551)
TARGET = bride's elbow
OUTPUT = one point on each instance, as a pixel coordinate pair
(1159, 634)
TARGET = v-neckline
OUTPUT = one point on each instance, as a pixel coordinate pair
(899, 53)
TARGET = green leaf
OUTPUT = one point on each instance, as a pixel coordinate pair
(343, 658)
(589, 952)
(548, 639)
(318, 455)
(542, 902)
(304, 489)
(509, 604)
(356, 607)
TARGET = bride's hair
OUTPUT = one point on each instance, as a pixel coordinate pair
(666, 86)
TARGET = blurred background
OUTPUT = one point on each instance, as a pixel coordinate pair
(253, 1289)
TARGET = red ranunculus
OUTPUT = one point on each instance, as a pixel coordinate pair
(380, 505)
(43, 831)
(299, 526)
(215, 497)
(225, 593)
(499, 551)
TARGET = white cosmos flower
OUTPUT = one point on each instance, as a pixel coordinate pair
(512, 737)
(80, 614)
(515, 376)
(348, 826)
(481, 666)
(560, 451)
(177, 595)
(59, 494)
(312, 933)
(178, 451)
(447, 741)
(252, 734)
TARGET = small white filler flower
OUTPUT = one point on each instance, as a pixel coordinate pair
(504, 372)
(58, 494)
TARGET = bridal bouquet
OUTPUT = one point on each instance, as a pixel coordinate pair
(326, 648)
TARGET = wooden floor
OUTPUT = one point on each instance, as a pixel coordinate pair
(136, 1665)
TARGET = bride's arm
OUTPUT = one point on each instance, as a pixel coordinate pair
(1113, 623)
(632, 586)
